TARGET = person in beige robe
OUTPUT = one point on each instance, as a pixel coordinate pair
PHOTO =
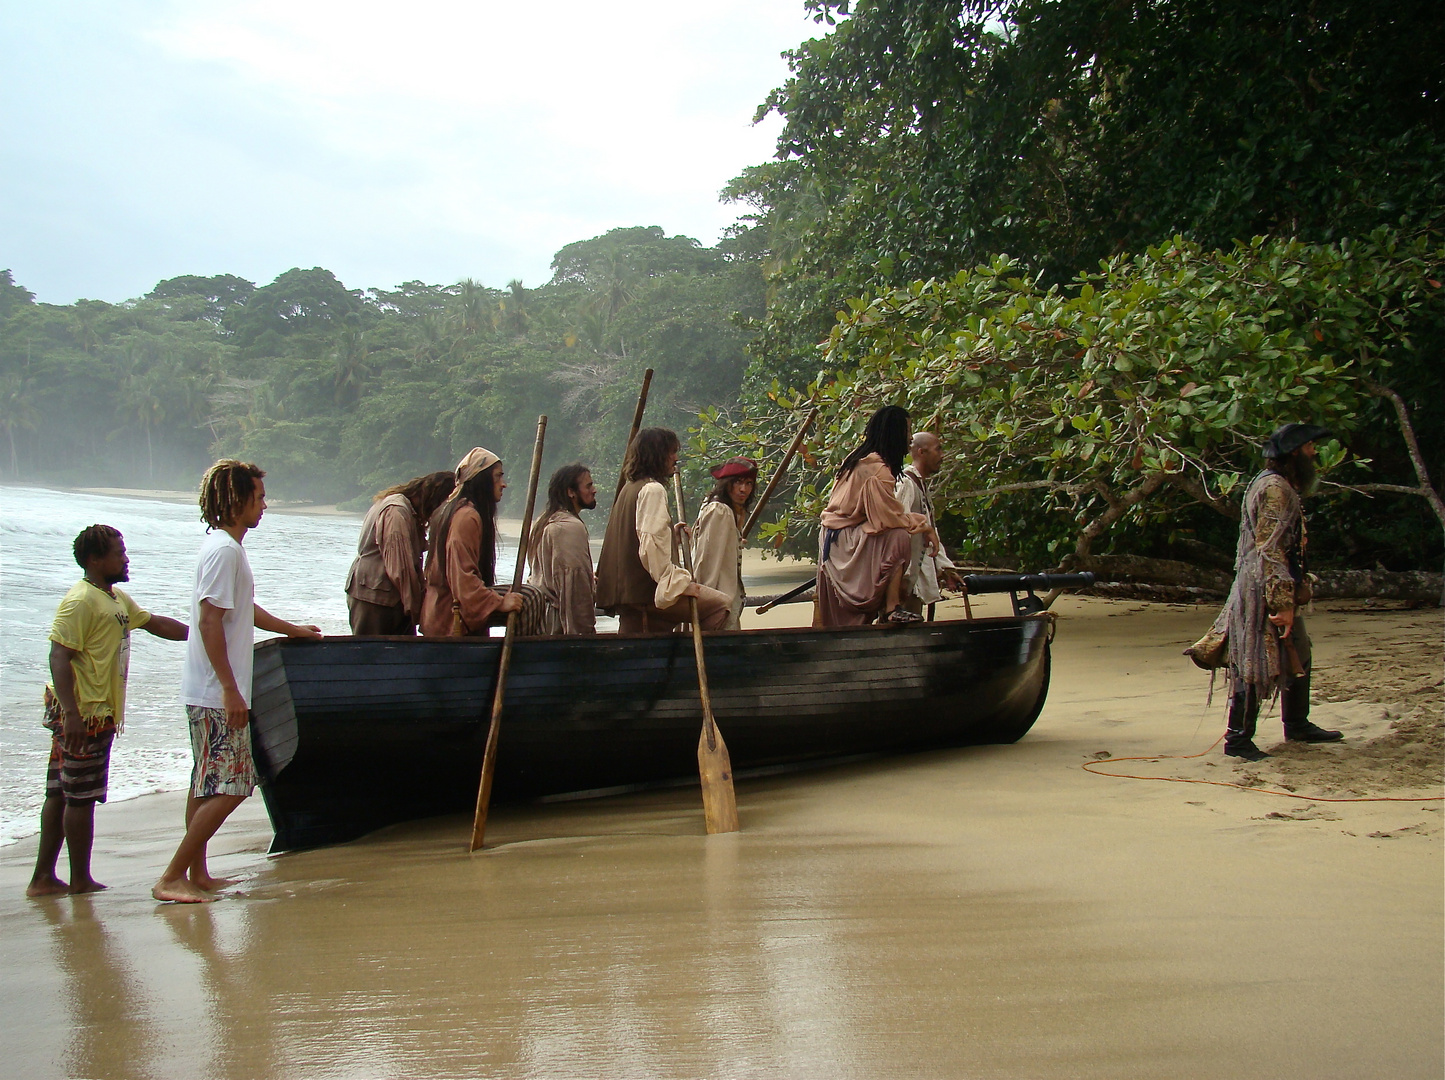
(718, 534)
(560, 554)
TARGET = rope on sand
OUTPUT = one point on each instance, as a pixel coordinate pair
(1089, 767)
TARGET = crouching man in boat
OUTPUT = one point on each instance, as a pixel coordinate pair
(384, 588)
(718, 557)
(561, 555)
(461, 599)
(864, 545)
(926, 573)
(638, 576)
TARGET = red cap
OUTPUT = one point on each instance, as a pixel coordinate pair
(737, 466)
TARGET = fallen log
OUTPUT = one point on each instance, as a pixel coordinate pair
(1414, 586)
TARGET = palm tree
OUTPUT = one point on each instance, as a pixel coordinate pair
(351, 365)
(512, 315)
(142, 397)
(471, 307)
(17, 411)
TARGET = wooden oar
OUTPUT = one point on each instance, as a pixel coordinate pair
(636, 426)
(773, 483)
(489, 756)
(714, 767)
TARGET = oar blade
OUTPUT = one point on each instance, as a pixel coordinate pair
(719, 801)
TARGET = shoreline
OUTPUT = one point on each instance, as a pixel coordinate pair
(181, 497)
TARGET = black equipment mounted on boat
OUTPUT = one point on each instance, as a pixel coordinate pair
(1014, 584)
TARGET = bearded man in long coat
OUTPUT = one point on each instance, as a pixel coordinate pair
(1269, 649)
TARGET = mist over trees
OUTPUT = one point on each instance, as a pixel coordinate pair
(338, 392)
(1102, 246)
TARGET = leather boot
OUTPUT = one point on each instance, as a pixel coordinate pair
(1243, 715)
(1308, 732)
(1294, 710)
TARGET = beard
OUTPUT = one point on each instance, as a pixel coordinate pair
(1306, 474)
(587, 505)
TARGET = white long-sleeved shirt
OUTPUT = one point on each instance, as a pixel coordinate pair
(923, 570)
(654, 545)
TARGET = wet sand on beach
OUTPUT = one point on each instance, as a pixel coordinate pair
(983, 912)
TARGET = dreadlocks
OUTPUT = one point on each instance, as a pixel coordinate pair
(887, 436)
(227, 486)
(94, 543)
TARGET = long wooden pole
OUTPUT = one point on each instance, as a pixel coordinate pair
(777, 476)
(714, 767)
(489, 755)
(636, 426)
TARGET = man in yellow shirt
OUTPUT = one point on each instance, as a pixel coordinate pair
(85, 709)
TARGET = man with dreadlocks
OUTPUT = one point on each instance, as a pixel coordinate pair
(561, 555)
(1269, 650)
(85, 705)
(216, 678)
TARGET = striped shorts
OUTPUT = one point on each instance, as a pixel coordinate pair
(82, 777)
(221, 755)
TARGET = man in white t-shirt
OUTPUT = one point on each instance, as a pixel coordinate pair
(216, 679)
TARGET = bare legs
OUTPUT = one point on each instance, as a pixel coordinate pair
(203, 817)
(198, 875)
(71, 824)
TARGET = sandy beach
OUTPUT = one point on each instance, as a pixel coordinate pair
(983, 912)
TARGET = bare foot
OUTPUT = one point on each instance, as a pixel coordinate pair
(213, 884)
(86, 886)
(180, 892)
(50, 885)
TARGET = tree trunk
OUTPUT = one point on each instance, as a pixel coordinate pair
(1137, 577)
(1138, 569)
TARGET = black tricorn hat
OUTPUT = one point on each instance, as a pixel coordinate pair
(1290, 437)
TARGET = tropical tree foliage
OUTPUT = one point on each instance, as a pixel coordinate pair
(1139, 395)
(925, 136)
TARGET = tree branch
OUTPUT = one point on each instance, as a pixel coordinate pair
(1188, 484)
(1119, 505)
(1407, 430)
(1028, 485)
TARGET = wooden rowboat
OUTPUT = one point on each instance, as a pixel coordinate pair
(352, 734)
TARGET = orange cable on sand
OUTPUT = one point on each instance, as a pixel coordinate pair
(1088, 768)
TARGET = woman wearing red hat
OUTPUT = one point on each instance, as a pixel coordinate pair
(718, 552)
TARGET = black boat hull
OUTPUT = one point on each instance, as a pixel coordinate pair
(352, 734)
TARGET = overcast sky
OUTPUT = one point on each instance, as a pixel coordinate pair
(441, 139)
